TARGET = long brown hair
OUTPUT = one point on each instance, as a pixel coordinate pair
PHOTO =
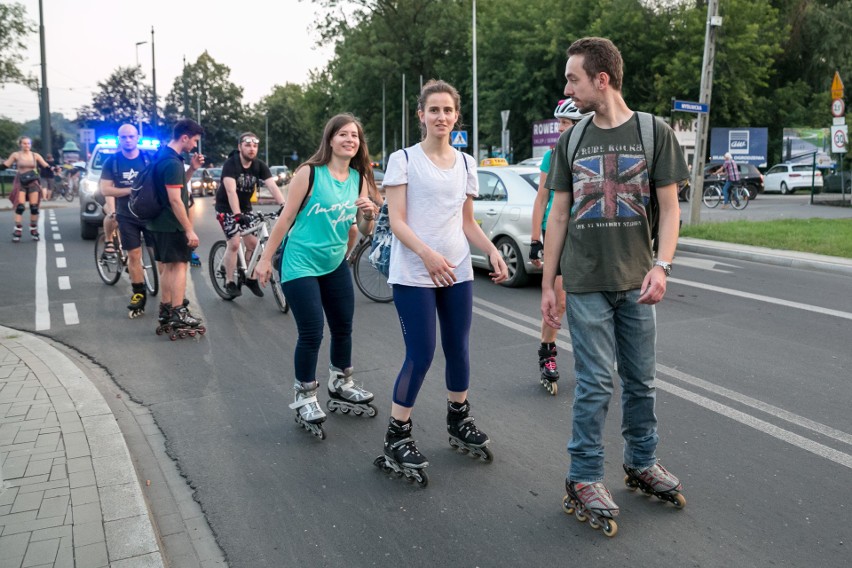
(360, 162)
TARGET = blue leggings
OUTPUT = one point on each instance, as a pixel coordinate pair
(309, 297)
(417, 308)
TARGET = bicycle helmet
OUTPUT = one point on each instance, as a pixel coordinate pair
(567, 109)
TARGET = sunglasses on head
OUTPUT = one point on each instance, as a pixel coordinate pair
(250, 140)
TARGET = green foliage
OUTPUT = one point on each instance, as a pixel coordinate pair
(115, 103)
(9, 133)
(13, 32)
(205, 85)
(290, 127)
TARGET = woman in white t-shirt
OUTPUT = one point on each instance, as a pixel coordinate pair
(430, 189)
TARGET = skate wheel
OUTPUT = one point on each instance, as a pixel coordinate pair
(379, 462)
(371, 411)
(424, 479)
(202, 330)
(554, 388)
(344, 410)
(630, 483)
(679, 501)
(594, 524)
(159, 331)
(173, 337)
(331, 407)
(610, 528)
(580, 516)
(567, 506)
(486, 455)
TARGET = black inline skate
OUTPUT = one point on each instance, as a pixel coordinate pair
(464, 435)
(345, 395)
(163, 317)
(309, 415)
(401, 456)
(34, 231)
(16, 234)
(656, 481)
(592, 502)
(137, 301)
(547, 367)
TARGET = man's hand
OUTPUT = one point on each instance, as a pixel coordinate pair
(242, 220)
(192, 239)
(196, 161)
(653, 286)
(549, 308)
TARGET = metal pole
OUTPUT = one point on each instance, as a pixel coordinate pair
(475, 94)
(402, 138)
(154, 115)
(138, 97)
(185, 92)
(713, 22)
(198, 116)
(384, 140)
(46, 140)
(266, 138)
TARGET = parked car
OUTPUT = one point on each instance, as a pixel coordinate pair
(282, 174)
(831, 182)
(532, 162)
(504, 211)
(787, 178)
(749, 175)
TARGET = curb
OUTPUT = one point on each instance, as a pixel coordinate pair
(776, 257)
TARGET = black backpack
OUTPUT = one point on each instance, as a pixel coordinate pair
(146, 203)
(647, 125)
(98, 196)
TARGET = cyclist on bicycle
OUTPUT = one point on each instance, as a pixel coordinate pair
(119, 172)
(732, 175)
(242, 174)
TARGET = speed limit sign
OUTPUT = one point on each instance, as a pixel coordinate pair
(837, 107)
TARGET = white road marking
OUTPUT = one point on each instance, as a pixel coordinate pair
(42, 312)
(59, 247)
(709, 404)
(704, 264)
(761, 298)
(60, 262)
(70, 312)
(64, 283)
(56, 236)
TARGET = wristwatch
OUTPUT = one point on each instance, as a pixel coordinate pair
(666, 266)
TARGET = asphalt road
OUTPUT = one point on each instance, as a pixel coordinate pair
(753, 402)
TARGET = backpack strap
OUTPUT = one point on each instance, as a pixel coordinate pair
(647, 124)
(574, 139)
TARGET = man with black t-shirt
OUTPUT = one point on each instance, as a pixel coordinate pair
(242, 174)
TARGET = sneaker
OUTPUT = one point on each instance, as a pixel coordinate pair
(232, 289)
(109, 251)
(596, 497)
(254, 286)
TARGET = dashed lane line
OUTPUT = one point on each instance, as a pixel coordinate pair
(42, 314)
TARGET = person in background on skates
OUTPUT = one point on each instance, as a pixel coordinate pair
(48, 176)
(172, 231)
(568, 115)
(430, 189)
(117, 177)
(26, 161)
(610, 276)
(242, 174)
(314, 272)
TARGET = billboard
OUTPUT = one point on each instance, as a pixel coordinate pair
(803, 142)
(746, 145)
(545, 135)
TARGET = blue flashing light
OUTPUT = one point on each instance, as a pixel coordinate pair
(145, 143)
(108, 141)
(149, 143)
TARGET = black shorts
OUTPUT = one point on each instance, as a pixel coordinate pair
(132, 230)
(171, 247)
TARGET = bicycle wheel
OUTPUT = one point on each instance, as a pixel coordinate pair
(370, 281)
(739, 197)
(108, 269)
(278, 292)
(216, 266)
(68, 195)
(150, 272)
(712, 196)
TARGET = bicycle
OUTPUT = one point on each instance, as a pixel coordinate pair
(370, 281)
(738, 194)
(260, 228)
(62, 189)
(110, 267)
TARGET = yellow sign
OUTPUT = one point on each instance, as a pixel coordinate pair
(836, 87)
(494, 162)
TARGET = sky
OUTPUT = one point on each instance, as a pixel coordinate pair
(263, 43)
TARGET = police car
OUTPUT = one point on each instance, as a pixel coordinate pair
(91, 214)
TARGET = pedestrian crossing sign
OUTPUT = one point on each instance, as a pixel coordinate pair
(459, 139)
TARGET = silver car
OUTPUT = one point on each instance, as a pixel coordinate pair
(504, 211)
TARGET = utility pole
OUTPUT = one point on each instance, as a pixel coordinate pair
(714, 22)
(475, 94)
(154, 115)
(185, 93)
(403, 138)
(46, 140)
(138, 97)
(384, 141)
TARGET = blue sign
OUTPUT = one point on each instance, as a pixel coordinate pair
(459, 139)
(687, 106)
(746, 145)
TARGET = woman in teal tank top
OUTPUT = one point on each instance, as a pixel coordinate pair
(315, 276)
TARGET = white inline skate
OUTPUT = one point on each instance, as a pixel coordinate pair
(345, 395)
(309, 415)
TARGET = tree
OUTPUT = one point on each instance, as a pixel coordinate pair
(116, 103)
(9, 133)
(290, 128)
(14, 30)
(204, 85)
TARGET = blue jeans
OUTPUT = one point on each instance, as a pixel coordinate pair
(726, 192)
(309, 297)
(610, 327)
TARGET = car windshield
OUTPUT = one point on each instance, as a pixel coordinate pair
(215, 172)
(802, 169)
(101, 157)
(532, 179)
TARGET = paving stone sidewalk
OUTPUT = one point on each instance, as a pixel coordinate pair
(69, 494)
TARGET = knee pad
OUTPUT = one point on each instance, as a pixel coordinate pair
(33, 209)
(19, 210)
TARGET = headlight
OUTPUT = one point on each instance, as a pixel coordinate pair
(89, 186)
(196, 184)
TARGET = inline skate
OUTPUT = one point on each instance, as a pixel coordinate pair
(547, 367)
(137, 301)
(16, 234)
(194, 260)
(309, 415)
(163, 318)
(656, 481)
(591, 501)
(180, 323)
(34, 232)
(401, 456)
(464, 435)
(345, 395)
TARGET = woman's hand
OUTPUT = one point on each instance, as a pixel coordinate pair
(367, 208)
(440, 269)
(263, 271)
(500, 270)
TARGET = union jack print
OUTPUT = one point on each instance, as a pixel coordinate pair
(609, 186)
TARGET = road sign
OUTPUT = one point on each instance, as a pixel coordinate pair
(836, 87)
(839, 139)
(86, 135)
(687, 106)
(837, 107)
(459, 139)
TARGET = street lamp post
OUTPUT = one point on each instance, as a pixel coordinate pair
(138, 98)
